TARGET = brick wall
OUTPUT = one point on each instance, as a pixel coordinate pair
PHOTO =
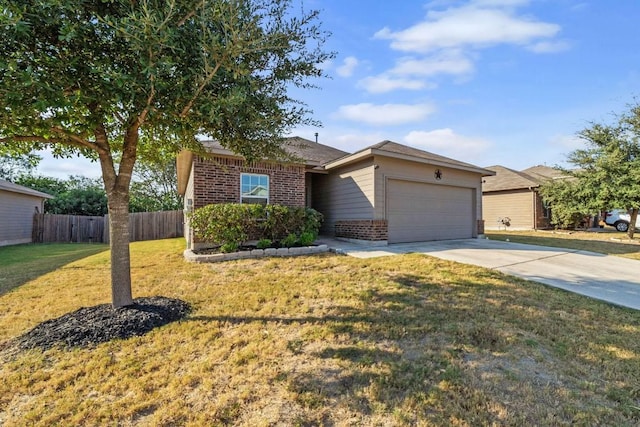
(480, 226)
(217, 180)
(362, 229)
(540, 221)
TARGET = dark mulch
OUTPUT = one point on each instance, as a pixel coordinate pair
(102, 323)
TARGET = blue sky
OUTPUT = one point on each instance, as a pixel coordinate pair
(505, 82)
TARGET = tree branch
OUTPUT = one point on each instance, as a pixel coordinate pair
(76, 139)
(206, 81)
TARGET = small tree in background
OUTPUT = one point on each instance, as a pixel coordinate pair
(155, 186)
(12, 166)
(607, 171)
(76, 195)
(115, 80)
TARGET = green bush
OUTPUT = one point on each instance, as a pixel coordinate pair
(264, 244)
(225, 223)
(307, 238)
(233, 223)
(229, 247)
(312, 222)
(289, 241)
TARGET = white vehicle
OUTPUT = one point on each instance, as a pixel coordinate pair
(620, 219)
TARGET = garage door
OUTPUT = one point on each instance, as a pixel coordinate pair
(419, 212)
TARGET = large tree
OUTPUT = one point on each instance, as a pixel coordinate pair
(118, 79)
(607, 170)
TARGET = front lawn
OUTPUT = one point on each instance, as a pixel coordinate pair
(604, 242)
(22, 263)
(324, 340)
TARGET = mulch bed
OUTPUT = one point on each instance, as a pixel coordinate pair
(101, 323)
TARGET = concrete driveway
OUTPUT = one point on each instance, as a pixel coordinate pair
(605, 277)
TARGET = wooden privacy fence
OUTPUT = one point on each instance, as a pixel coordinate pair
(51, 228)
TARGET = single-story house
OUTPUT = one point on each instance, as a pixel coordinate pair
(17, 206)
(511, 200)
(385, 193)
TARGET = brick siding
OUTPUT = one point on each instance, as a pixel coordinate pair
(362, 229)
(480, 226)
(540, 221)
(217, 180)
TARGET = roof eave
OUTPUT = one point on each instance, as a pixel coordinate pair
(469, 168)
(360, 155)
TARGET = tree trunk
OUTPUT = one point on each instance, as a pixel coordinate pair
(116, 186)
(632, 223)
(120, 257)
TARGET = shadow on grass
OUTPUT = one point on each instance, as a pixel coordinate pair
(387, 352)
(23, 263)
(416, 348)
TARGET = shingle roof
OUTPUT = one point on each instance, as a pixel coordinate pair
(15, 188)
(544, 172)
(509, 179)
(313, 153)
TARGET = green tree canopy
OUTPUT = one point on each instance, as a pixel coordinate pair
(155, 185)
(607, 170)
(13, 165)
(568, 205)
(118, 79)
(76, 195)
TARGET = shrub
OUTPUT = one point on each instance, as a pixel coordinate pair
(264, 244)
(312, 222)
(229, 247)
(231, 224)
(225, 223)
(307, 238)
(289, 241)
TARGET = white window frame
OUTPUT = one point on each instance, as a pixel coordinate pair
(243, 197)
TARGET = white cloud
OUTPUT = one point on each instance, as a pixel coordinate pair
(63, 167)
(549, 46)
(444, 63)
(385, 114)
(446, 41)
(500, 3)
(384, 83)
(348, 66)
(448, 143)
(475, 25)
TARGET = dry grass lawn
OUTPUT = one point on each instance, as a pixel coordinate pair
(605, 241)
(324, 340)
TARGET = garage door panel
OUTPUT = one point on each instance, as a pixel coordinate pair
(418, 211)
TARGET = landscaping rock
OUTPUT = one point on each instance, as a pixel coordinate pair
(102, 323)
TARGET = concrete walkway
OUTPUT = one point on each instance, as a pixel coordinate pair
(605, 277)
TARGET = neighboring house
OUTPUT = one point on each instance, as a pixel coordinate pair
(17, 206)
(386, 193)
(510, 199)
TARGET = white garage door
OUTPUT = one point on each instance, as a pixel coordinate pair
(419, 212)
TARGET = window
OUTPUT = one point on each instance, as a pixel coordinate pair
(254, 188)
